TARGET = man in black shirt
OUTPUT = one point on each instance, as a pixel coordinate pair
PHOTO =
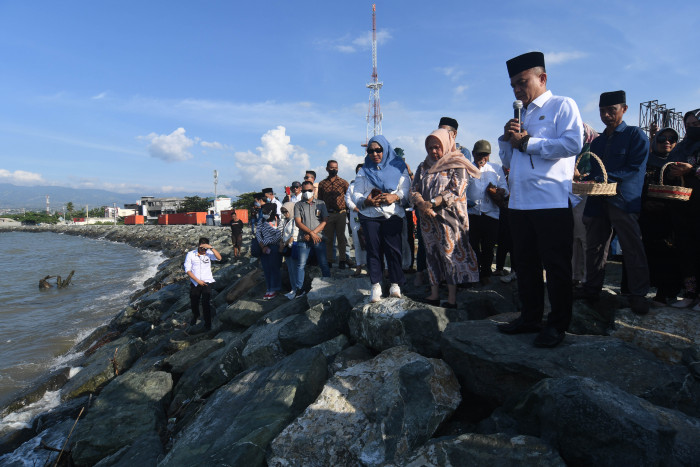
(236, 233)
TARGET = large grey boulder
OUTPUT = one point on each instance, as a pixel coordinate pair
(179, 362)
(354, 289)
(496, 366)
(143, 452)
(371, 413)
(316, 325)
(264, 347)
(103, 365)
(477, 449)
(665, 332)
(203, 378)
(402, 321)
(241, 418)
(596, 423)
(130, 408)
(246, 311)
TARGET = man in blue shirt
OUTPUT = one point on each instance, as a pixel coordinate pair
(624, 150)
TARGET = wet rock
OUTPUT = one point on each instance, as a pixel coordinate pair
(596, 423)
(401, 321)
(139, 329)
(477, 449)
(665, 332)
(102, 366)
(240, 419)
(129, 409)
(180, 361)
(498, 366)
(51, 382)
(69, 409)
(163, 298)
(144, 452)
(316, 325)
(371, 413)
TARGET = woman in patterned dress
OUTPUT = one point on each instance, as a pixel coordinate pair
(439, 194)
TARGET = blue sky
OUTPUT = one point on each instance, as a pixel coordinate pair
(153, 96)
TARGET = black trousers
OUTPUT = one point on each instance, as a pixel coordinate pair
(543, 238)
(483, 233)
(202, 292)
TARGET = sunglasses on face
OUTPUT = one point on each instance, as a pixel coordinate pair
(307, 191)
(375, 151)
(662, 139)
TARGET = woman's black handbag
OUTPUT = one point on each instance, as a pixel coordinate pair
(255, 249)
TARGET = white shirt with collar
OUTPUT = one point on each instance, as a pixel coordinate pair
(279, 207)
(556, 138)
(295, 198)
(200, 265)
(476, 190)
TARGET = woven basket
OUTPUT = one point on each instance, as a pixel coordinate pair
(594, 188)
(680, 193)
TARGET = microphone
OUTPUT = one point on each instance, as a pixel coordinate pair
(517, 109)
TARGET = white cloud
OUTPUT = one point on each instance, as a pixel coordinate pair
(555, 58)
(361, 42)
(171, 148)
(275, 164)
(101, 95)
(451, 72)
(459, 90)
(20, 177)
(212, 145)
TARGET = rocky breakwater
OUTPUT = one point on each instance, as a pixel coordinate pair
(329, 379)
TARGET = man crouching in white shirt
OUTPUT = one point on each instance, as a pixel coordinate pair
(198, 267)
(540, 151)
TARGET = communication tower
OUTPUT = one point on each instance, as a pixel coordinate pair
(374, 115)
(652, 112)
(48, 210)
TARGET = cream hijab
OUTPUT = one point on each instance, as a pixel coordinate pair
(451, 159)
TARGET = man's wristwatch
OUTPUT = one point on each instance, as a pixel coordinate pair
(523, 143)
(432, 201)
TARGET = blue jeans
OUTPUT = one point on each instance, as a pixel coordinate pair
(304, 250)
(272, 264)
(293, 269)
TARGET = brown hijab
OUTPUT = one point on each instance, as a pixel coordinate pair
(451, 159)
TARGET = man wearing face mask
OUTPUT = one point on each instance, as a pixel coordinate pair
(624, 150)
(310, 216)
(198, 268)
(331, 191)
(270, 198)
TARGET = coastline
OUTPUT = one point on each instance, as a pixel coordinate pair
(275, 381)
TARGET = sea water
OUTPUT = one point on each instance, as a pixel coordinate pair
(38, 327)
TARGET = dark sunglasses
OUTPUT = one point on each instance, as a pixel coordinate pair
(375, 151)
(663, 139)
(307, 191)
(308, 177)
(284, 211)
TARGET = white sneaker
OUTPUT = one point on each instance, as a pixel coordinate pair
(291, 294)
(376, 294)
(395, 291)
(509, 278)
(683, 303)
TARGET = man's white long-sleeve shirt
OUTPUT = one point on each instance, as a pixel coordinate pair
(476, 190)
(556, 138)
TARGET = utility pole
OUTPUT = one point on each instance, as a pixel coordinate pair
(216, 182)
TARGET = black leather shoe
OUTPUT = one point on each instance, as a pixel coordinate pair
(518, 326)
(435, 302)
(581, 293)
(342, 265)
(447, 304)
(548, 338)
(639, 304)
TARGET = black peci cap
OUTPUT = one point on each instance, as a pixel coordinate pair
(611, 98)
(449, 121)
(524, 62)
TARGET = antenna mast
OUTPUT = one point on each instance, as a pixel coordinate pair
(374, 115)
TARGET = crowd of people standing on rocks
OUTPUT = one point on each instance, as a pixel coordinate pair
(460, 207)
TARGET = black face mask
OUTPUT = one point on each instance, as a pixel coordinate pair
(693, 133)
(332, 173)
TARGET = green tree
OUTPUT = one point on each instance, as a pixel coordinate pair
(194, 204)
(69, 207)
(244, 201)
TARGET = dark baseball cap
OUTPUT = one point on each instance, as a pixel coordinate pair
(296, 184)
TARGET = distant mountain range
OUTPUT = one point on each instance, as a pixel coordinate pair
(34, 197)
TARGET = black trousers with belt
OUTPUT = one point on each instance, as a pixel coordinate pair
(543, 239)
(202, 292)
